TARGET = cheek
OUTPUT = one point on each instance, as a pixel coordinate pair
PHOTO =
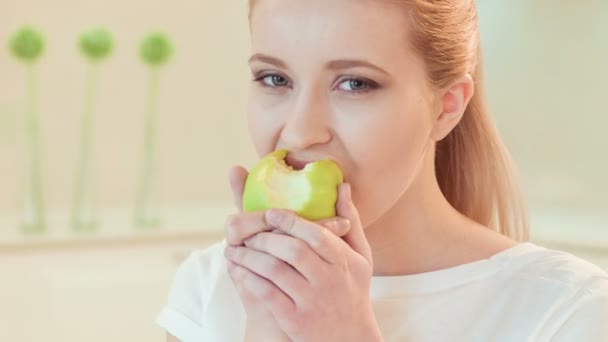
(264, 126)
(387, 160)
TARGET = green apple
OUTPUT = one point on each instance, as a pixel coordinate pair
(311, 192)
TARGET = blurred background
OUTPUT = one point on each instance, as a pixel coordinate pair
(546, 66)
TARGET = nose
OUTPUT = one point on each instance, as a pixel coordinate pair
(308, 123)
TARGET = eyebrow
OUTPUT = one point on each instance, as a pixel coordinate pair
(268, 59)
(338, 64)
(353, 63)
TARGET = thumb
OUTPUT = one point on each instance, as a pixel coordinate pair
(355, 237)
(237, 176)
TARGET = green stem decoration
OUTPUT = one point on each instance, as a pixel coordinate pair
(83, 217)
(155, 51)
(95, 45)
(146, 215)
(27, 45)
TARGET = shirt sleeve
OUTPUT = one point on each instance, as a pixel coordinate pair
(589, 319)
(182, 314)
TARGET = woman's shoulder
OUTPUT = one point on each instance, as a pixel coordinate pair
(575, 289)
(202, 271)
(207, 262)
(200, 285)
(532, 261)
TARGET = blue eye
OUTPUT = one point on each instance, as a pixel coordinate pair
(356, 85)
(273, 81)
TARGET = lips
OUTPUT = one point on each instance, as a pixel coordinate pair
(296, 163)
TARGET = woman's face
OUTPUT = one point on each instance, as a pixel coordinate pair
(337, 79)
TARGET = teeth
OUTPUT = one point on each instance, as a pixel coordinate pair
(286, 165)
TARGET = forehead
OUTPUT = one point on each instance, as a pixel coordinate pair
(375, 30)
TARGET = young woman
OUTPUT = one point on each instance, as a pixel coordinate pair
(430, 239)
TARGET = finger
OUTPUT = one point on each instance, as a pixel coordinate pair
(355, 237)
(237, 176)
(337, 225)
(241, 226)
(270, 268)
(292, 251)
(319, 239)
(250, 284)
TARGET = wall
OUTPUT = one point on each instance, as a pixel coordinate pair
(201, 98)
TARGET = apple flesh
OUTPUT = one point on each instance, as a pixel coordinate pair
(311, 192)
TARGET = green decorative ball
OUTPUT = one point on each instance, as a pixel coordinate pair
(96, 44)
(156, 49)
(27, 44)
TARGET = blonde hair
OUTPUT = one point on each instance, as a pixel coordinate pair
(474, 169)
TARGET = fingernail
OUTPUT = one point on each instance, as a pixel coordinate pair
(347, 192)
(250, 241)
(273, 217)
(343, 225)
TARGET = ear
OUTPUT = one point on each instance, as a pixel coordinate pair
(452, 104)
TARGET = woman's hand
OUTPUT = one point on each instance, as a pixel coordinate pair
(314, 283)
(253, 289)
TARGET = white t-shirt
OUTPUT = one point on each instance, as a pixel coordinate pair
(525, 293)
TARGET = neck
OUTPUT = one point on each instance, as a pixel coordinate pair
(422, 232)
